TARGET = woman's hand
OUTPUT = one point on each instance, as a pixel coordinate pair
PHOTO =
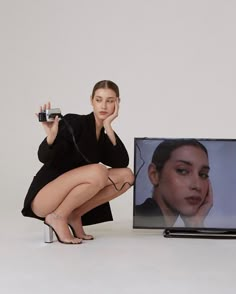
(107, 122)
(198, 219)
(51, 128)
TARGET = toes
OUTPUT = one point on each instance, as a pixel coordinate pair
(77, 241)
(87, 237)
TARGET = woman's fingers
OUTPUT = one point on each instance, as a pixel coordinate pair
(45, 107)
(56, 120)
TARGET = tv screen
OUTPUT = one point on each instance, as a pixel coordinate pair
(185, 183)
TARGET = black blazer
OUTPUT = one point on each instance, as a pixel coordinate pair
(63, 156)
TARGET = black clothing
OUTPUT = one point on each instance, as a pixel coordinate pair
(63, 156)
(148, 215)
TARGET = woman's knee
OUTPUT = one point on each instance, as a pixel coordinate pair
(99, 175)
(128, 176)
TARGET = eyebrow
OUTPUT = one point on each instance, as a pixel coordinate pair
(112, 97)
(190, 164)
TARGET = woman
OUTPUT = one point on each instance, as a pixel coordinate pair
(179, 173)
(73, 187)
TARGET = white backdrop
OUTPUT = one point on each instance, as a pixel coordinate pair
(174, 61)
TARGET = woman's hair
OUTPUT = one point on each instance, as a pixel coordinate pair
(164, 150)
(106, 84)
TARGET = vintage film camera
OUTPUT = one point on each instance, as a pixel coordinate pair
(49, 115)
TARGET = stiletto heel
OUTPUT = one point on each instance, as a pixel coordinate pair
(51, 230)
(48, 234)
(74, 234)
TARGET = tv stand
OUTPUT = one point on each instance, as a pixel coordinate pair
(199, 233)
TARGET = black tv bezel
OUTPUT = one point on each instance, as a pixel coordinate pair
(184, 232)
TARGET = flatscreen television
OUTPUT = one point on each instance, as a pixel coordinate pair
(185, 187)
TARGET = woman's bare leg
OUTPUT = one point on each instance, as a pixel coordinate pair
(123, 178)
(60, 197)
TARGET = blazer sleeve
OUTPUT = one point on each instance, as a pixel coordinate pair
(114, 156)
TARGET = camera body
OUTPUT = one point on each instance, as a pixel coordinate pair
(49, 115)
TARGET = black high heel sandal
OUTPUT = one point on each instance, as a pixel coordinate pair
(51, 231)
(74, 234)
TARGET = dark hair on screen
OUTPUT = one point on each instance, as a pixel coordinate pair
(106, 84)
(164, 150)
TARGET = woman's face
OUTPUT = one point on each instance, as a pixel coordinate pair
(103, 103)
(183, 182)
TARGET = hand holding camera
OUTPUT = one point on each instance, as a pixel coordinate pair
(50, 120)
(49, 114)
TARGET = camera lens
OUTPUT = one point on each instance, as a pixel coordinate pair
(42, 116)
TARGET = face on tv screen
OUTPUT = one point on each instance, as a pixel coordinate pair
(185, 183)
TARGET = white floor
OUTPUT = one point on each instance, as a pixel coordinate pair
(119, 260)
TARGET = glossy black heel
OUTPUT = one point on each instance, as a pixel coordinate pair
(90, 237)
(51, 231)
